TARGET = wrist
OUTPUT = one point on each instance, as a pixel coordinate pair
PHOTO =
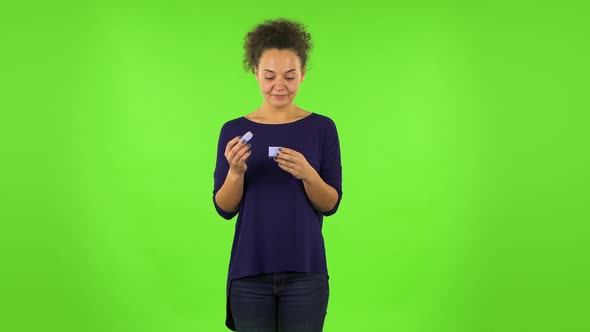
(312, 177)
(234, 176)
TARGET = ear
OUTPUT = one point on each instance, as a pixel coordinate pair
(256, 73)
(302, 74)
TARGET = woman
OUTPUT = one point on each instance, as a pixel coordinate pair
(278, 277)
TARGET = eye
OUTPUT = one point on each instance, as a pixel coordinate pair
(272, 78)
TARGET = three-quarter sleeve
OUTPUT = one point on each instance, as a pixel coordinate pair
(331, 166)
(221, 169)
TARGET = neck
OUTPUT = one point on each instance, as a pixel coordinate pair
(277, 113)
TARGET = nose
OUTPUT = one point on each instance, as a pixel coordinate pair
(280, 83)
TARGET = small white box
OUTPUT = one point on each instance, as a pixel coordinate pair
(247, 136)
(273, 150)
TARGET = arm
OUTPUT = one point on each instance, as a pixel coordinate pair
(323, 188)
(229, 176)
(331, 165)
(229, 196)
(323, 197)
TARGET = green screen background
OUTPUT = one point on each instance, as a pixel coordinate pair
(464, 138)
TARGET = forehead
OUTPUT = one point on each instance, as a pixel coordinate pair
(279, 60)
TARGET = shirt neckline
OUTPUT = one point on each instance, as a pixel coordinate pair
(279, 124)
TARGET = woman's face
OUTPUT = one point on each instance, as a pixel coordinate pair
(279, 74)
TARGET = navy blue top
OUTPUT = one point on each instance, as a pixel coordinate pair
(277, 227)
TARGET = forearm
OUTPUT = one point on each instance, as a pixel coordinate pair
(323, 197)
(229, 196)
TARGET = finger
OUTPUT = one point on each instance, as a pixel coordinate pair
(239, 147)
(288, 151)
(236, 158)
(286, 168)
(230, 155)
(290, 161)
(286, 163)
(231, 144)
(231, 148)
(245, 156)
(238, 144)
(284, 157)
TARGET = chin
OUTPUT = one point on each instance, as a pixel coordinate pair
(279, 102)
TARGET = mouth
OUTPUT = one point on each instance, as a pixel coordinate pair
(279, 96)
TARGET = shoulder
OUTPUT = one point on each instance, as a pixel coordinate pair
(230, 129)
(233, 122)
(232, 125)
(323, 121)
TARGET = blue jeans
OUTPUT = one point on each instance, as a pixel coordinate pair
(280, 301)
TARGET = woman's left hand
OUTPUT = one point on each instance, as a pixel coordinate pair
(295, 163)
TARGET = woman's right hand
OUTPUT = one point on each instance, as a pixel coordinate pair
(236, 153)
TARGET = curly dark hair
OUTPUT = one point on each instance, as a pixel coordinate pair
(279, 33)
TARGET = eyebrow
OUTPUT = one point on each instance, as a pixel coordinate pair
(288, 71)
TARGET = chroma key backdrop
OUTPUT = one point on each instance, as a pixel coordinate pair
(464, 136)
